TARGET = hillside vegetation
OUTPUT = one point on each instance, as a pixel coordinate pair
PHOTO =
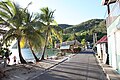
(64, 26)
(85, 30)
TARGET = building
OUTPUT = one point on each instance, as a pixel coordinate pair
(68, 46)
(113, 32)
(102, 49)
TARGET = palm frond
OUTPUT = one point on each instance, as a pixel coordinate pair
(4, 7)
(9, 32)
(12, 6)
(36, 40)
(57, 34)
(54, 23)
(4, 22)
(9, 38)
(4, 15)
(28, 6)
(2, 31)
(50, 39)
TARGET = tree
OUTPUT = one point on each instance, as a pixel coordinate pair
(83, 42)
(72, 37)
(11, 15)
(49, 28)
(31, 35)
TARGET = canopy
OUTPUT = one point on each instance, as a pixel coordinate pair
(102, 40)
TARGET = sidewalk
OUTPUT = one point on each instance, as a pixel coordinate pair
(109, 71)
(28, 71)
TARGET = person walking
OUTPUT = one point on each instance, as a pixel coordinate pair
(7, 55)
(14, 58)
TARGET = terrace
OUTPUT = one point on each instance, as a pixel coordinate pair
(114, 14)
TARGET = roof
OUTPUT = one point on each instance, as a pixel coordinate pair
(65, 47)
(105, 2)
(71, 43)
(102, 40)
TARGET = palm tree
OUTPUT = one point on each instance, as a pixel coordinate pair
(47, 19)
(32, 36)
(11, 15)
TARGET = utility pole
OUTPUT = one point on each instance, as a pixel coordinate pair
(74, 37)
(94, 38)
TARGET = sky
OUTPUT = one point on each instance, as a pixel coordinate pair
(69, 11)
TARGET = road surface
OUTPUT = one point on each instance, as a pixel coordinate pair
(82, 66)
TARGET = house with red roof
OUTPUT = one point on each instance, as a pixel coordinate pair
(102, 49)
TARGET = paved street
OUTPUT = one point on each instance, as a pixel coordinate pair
(82, 66)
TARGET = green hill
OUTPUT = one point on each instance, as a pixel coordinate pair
(64, 26)
(84, 26)
(85, 30)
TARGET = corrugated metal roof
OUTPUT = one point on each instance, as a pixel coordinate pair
(71, 43)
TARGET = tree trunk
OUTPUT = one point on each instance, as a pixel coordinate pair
(44, 49)
(42, 58)
(5, 62)
(37, 60)
(20, 55)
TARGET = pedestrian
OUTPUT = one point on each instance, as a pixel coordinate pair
(14, 58)
(47, 57)
(7, 55)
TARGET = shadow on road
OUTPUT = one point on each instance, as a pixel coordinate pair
(80, 67)
(87, 51)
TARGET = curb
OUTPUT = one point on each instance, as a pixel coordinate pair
(108, 78)
(46, 70)
(56, 64)
(60, 62)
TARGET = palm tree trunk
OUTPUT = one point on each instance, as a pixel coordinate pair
(42, 58)
(44, 49)
(37, 60)
(5, 62)
(20, 55)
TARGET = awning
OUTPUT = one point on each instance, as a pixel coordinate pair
(102, 40)
(65, 47)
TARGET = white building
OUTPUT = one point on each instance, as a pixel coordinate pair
(102, 49)
(113, 33)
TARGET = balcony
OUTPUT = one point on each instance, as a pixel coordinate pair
(114, 13)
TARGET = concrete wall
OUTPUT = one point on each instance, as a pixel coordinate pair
(101, 51)
(103, 45)
(98, 51)
(114, 44)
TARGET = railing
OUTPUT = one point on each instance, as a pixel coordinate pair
(114, 13)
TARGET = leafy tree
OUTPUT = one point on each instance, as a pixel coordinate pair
(83, 42)
(65, 37)
(72, 37)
